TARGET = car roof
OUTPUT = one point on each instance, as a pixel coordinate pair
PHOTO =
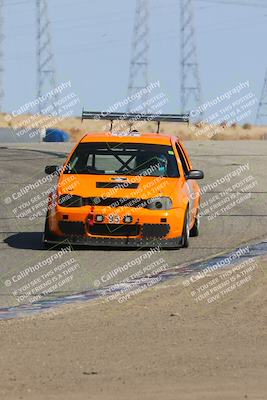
(127, 137)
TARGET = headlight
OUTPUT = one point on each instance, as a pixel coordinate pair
(68, 200)
(159, 203)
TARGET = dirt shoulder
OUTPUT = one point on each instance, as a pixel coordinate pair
(78, 129)
(160, 344)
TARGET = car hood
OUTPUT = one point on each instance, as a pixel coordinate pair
(117, 187)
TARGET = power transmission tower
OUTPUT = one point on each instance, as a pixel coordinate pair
(1, 55)
(190, 80)
(46, 79)
(262, 107)
(138, 77)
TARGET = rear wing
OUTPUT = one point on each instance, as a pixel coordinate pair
(133, 117)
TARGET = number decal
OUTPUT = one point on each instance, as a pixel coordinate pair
(114, 219)
(117, 219)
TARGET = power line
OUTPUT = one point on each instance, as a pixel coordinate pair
(46, 79)
(234, 3)
(18, 3)
(138, 77)
(262, 107)
(190, 80)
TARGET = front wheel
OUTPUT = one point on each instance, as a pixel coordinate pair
(195, 229)
(46, 234)
(186, 230)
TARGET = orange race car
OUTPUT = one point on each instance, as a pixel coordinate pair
(125, 189)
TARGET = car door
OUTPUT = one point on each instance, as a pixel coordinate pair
(191, 184)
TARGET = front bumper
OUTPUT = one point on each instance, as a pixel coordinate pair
(148, 228)
(112, 242)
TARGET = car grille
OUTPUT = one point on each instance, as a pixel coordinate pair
(155, 230)
(72, 227)
(114, 230)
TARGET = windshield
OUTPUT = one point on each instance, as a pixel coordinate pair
(123, 159)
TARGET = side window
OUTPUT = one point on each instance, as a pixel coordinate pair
(185, 156)
(182, 158)
(90, 160)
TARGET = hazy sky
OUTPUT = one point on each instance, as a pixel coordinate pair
(92, 47)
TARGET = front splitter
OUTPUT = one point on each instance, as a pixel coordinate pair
(114, 242)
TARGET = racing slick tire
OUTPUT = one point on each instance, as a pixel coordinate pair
(186, 230)
(46, 234)
(194, 231)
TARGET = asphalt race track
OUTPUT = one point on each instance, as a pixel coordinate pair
(22, 214)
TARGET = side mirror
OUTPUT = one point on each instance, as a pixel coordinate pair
(195, 174)
(52, 169)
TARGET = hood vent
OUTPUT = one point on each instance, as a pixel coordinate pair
(117, 185)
